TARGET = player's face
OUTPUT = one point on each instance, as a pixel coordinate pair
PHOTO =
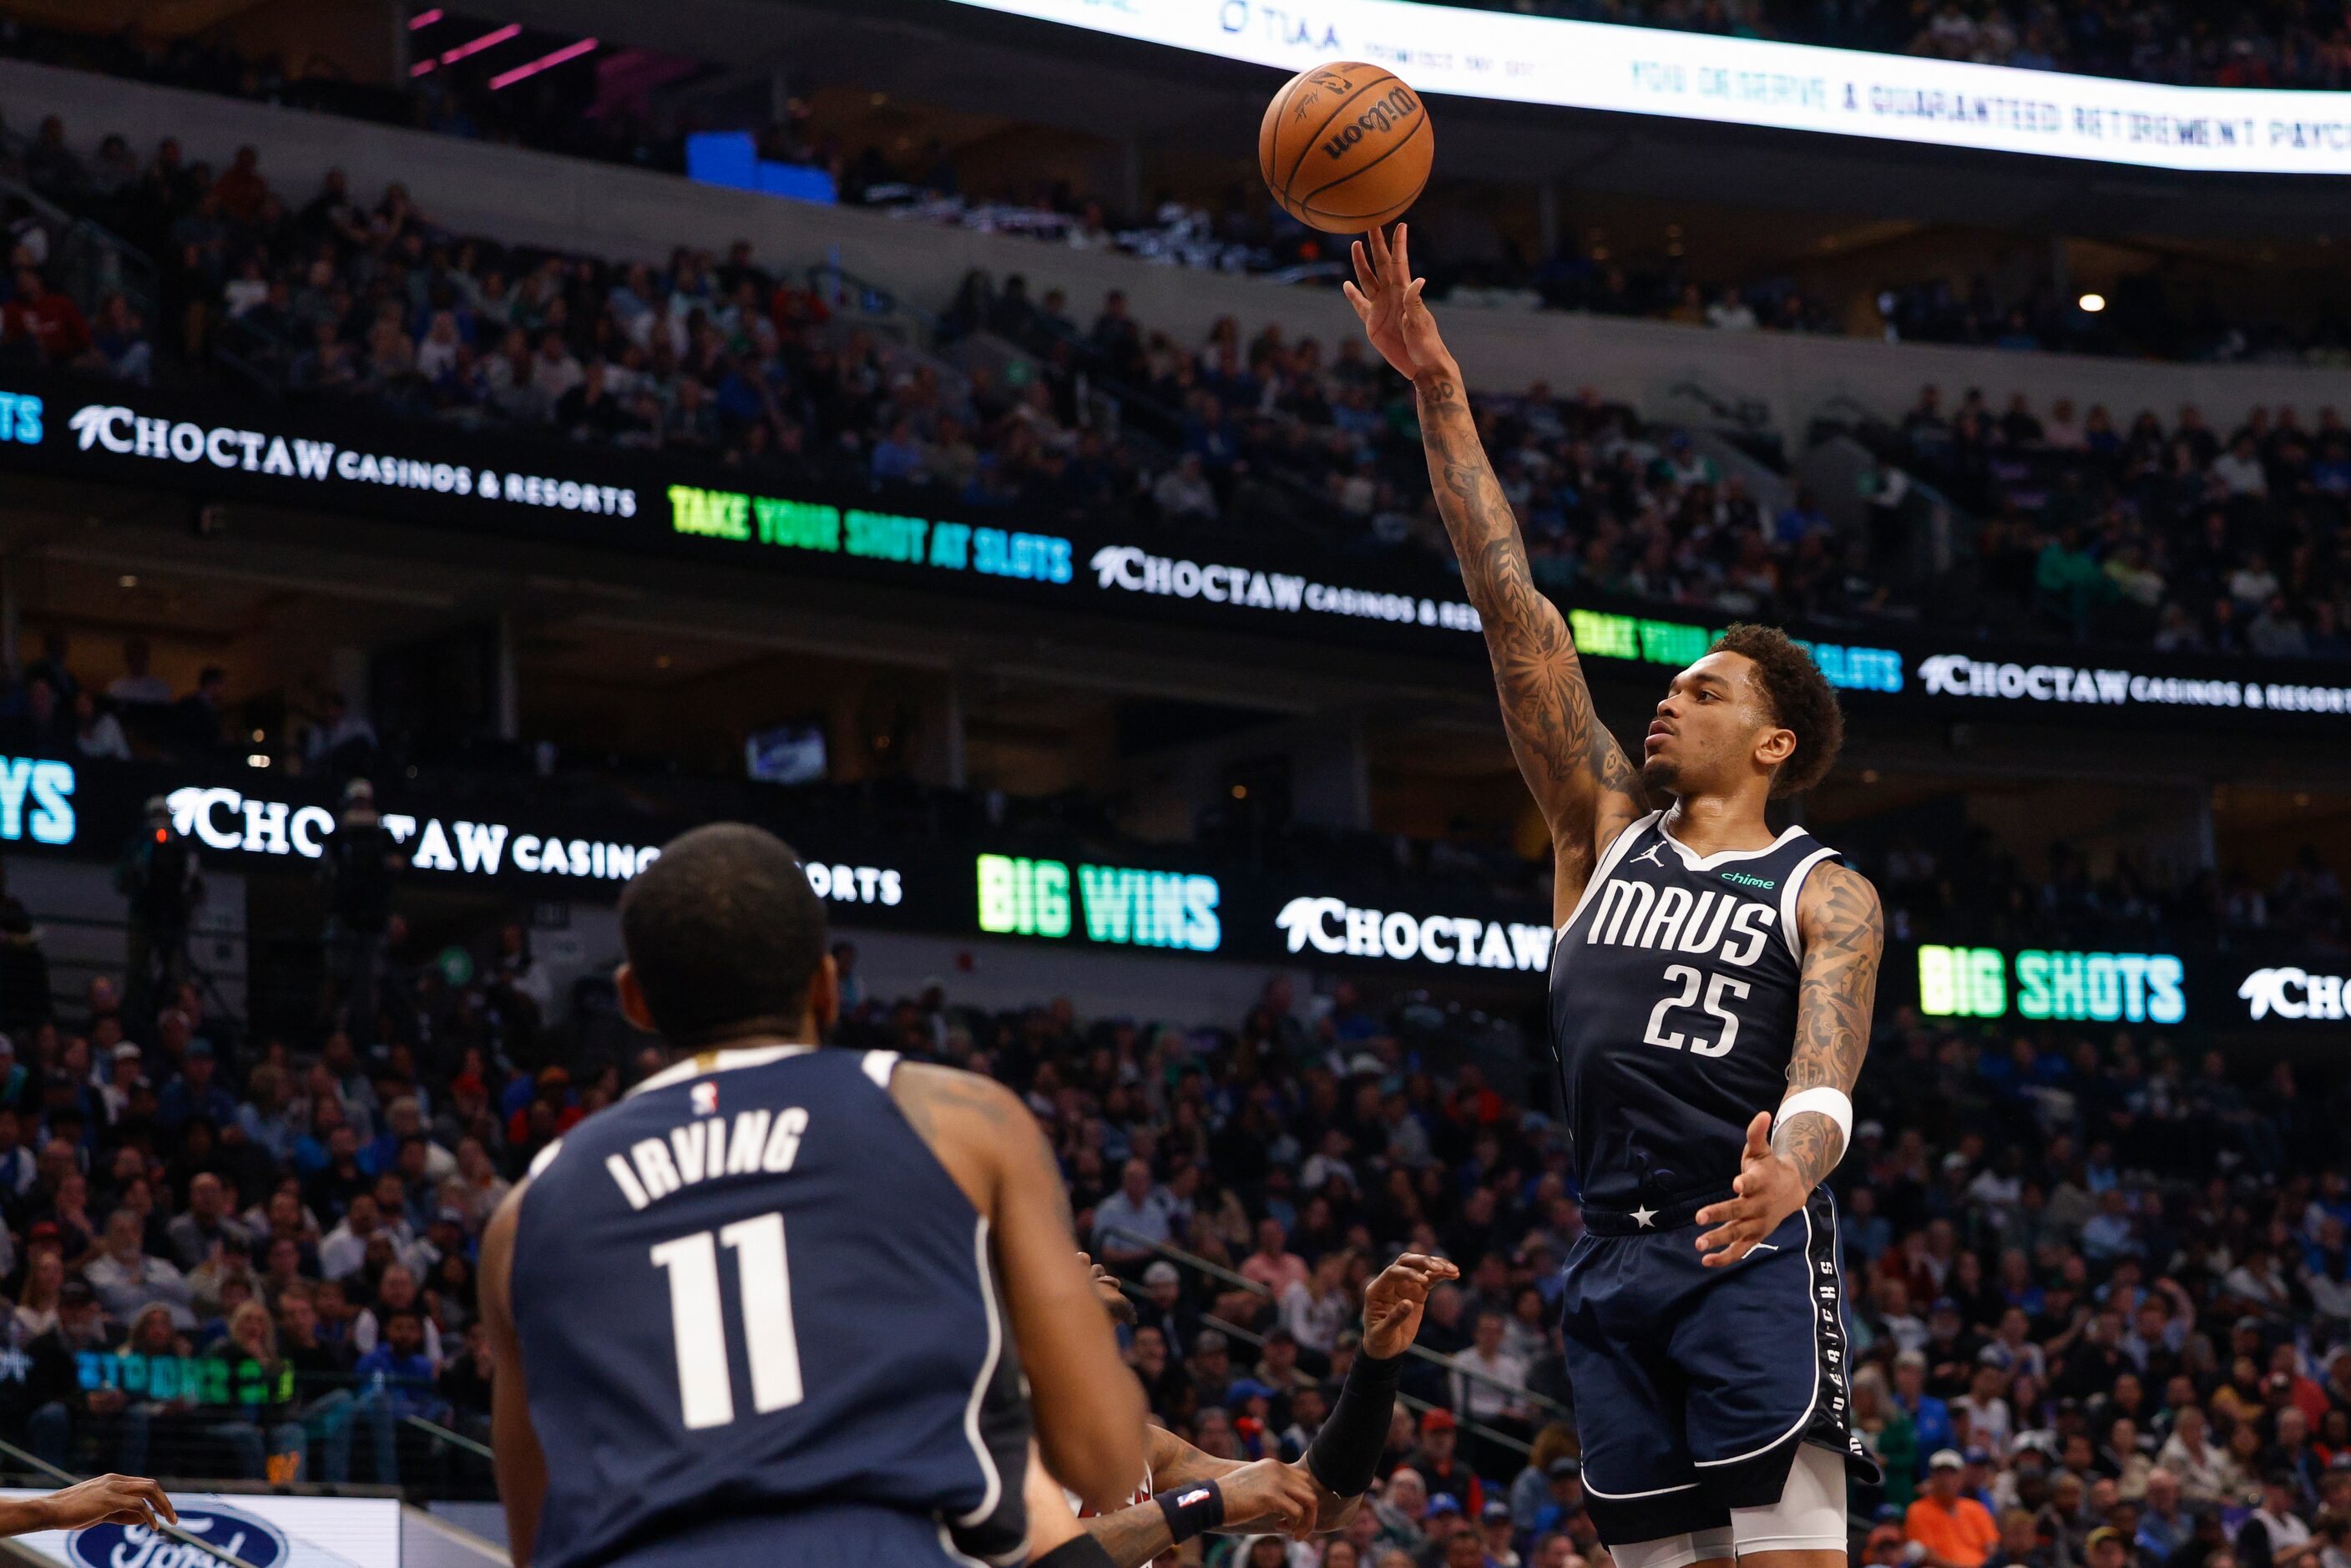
(1712, 728)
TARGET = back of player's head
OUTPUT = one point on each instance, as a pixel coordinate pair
(724, 935)
(1800, 700)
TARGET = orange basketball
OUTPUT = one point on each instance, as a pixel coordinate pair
(1345, 147)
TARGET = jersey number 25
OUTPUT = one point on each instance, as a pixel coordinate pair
(1716, 986)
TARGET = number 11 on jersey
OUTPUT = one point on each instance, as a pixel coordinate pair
(698, 1320)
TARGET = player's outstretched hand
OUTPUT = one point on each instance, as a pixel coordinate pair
(110, 1500)
(1386, 300)
(1768, 1190)
(1270, 1496)
(1394, 1303)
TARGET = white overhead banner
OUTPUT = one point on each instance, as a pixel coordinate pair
(1749, 82)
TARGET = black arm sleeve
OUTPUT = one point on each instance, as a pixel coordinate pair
(1346, 1453)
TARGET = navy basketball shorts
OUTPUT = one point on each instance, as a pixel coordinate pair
(1693, 1385)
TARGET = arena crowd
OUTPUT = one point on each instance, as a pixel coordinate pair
(2101, 1305)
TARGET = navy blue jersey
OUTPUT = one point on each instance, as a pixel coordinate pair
(1673, 1010)
(750, 1287)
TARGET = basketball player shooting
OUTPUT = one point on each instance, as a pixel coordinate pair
(1706, 973)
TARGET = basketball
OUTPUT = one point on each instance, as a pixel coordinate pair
(1346, 147)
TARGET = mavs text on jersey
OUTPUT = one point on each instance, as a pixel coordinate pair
(1674, 994)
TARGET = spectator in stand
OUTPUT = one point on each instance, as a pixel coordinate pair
(43, 323)
(1273, 1266)
(207, 1225)
(360, 863)
(1955, 1530)
(1183, 493)
(128, 1280)
(1133, 1221)
(138, 685)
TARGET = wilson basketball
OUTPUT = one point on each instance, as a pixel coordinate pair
(1345, 147)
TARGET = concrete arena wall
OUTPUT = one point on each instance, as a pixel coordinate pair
(541, 198)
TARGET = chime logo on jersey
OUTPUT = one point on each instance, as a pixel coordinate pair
(1671, 918)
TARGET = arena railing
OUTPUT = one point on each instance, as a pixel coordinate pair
(88, 261)
(207, 1419)
(1552, 1408)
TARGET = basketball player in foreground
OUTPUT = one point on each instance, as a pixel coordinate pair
(776, 1305)
(1197, 1492)
(1707, 973)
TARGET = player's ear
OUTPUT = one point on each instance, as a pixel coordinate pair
(632, 999)
(1775, 745)
(824, 995)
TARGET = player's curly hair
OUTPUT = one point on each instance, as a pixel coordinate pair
(1802, 701)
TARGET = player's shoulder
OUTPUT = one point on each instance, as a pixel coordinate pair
(936, 1097)
(1836, 897)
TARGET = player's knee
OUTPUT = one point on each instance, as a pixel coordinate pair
(1809, 1517)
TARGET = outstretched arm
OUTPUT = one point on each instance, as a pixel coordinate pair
(1586, 788)
(102, 1499)
(1088, 1408)
(1844, 932)
(1270, 1495)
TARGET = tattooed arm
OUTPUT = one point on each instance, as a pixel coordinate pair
(1580, 776)
(1089, 1408)
(1844, 932)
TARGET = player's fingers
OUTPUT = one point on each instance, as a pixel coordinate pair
(1403, 256)
(1376, 244)
(158, 1500)
(1736, 1225)
(1758, 1134)
(1355, 297)
(1365, 274)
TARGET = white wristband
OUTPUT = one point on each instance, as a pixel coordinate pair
(1833, 1103)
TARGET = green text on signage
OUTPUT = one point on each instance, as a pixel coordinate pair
(1679, 642)
(2052, 985)
(1120, 906)
(867, 535)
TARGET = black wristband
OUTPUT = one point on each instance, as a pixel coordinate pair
(1345, 1454)
(1191, 1510)
(1078, 1551)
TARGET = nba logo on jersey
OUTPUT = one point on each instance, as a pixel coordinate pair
(706, 1098)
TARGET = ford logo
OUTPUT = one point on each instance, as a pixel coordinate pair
(257, 1543)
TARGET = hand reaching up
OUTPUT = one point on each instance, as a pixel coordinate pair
(1387, 299)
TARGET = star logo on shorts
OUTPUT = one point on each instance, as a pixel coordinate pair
(1644, 1216)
